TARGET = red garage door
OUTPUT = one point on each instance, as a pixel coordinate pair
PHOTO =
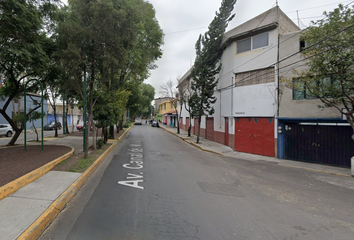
(255, 135)
(210, 128)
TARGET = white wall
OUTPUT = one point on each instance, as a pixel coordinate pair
(297, 108)
(245, 101)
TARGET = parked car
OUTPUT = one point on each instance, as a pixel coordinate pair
(51, 126)
(80, 126)
(6, 130)
(138, 121)
(155, 124)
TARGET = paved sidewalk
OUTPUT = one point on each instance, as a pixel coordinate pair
(211, 146)
(26, 212)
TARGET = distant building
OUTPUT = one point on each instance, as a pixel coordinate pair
(168, 111)
(32, 101)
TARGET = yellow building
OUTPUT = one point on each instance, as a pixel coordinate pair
(169, 112)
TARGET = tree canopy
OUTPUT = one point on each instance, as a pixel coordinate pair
(207, 63)
(330, 61)
(24, 49)
(115, 42)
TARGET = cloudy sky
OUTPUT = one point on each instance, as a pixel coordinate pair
(183, 20)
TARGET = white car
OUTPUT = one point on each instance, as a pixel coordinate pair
(138, 121)
(6, 130)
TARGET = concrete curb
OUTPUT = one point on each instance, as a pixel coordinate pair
(315, 170)
(284, 165)
(201, 148)
(192, 143)
(40, 224)
(15, 185)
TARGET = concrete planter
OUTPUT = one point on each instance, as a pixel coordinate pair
(352, 166)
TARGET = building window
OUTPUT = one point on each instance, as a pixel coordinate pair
(300, 91)
(258, 41)
(164, 105)
(259, 76)
(171, 105)
(303, 45)
(244, 45)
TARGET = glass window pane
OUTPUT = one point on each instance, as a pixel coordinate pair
(244, 45)
(260, 41)
(298, 90)
(298, 95)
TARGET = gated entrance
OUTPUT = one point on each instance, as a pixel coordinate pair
(323, 144)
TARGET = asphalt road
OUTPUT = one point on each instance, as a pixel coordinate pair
(155, 186)
(30, 136)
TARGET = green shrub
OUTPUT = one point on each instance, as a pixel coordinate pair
(99, 143)
(127, 124)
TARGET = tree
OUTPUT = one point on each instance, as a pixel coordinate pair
(116, 41)
(32, 118)
(330, 53)
(109, 108)
(207, 63)
(184, 93)
(148, 94)
(23, 55)
(169, 90)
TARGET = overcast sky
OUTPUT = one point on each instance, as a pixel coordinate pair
(183, 20)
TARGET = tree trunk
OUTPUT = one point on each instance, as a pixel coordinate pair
(178, 124)
(94, 138)
(66, 114)
(14, 127)
(55, 121)
(35, 130)
(15, 137)
(111, 132)
(199, 121)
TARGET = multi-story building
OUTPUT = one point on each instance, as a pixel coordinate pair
(254, 108)
(168, 110)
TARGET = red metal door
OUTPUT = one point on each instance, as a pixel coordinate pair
(210, 128)
(255, 135)
(226, 140)
(243, 135)
(264, 136)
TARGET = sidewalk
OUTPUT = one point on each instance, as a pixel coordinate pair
(217, 148)
(28, 211)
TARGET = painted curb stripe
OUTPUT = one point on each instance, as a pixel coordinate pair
(15, 185)
(41, 223)
(194, 144)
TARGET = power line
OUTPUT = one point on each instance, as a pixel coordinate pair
(225, 74)
(301, 60)
(233, 22)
